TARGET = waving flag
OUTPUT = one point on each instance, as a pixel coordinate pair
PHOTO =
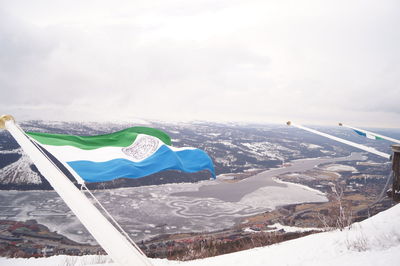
(367, 134)
(132, 153)
(347, 142)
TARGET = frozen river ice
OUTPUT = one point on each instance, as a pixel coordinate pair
(145, 212)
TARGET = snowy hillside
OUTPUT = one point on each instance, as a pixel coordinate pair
(375, 241)
(20, 171)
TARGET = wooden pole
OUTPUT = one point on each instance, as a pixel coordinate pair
(396, 172)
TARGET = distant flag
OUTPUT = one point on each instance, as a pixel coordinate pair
(367, 135)
(131, 153)
(370, 135)
(347, 142)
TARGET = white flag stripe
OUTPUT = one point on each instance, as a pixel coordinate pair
(369, 136)
(71, 153)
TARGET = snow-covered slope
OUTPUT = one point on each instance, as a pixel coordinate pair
(375, 241)
(19, 172)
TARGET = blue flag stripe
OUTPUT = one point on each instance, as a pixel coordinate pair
(360, 133)
(191, 161)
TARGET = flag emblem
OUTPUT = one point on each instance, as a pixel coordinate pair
(143, 147)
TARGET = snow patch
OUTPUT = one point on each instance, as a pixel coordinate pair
(299, 185)
(290, 229)
(340, 168)
(19, 172)
(311, 146)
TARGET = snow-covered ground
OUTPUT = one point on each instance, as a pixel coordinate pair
(340, 168)
(19, 171)
(375, 241)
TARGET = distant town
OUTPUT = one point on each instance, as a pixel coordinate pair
(30, 239)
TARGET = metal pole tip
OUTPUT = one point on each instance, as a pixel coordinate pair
(4, 119)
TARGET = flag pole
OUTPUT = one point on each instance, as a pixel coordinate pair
(371, 133)
(109, 238)
(350, 143)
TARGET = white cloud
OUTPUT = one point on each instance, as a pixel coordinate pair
(268, 61)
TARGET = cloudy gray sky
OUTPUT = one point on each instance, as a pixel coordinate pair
(314, 62)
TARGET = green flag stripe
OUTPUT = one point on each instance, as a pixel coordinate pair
(121, 138)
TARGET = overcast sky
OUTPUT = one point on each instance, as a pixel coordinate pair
(313, 62)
